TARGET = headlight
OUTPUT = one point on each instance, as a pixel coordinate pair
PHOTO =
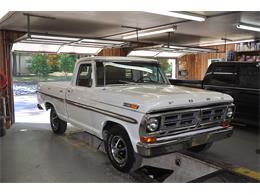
(152, 124)
(230, 112)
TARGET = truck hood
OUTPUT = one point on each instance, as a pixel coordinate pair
(159, 97)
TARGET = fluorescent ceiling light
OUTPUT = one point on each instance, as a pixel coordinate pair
(247, 27)
(35, 47)
(170, 51)
(169, 55)
(71, 41)
(44, 41)
(174, 47)
(54, 38)
(143, 53)
(79, 50)
(28, 47)
(185, 49)
(2, 13)
(180, 15)
(100, 41)
(97, 45)
(155, 54)
(142, 33)
(201, 50)
(228, 42)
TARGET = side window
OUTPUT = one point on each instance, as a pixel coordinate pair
(84, 76)
(249, 76)
(223, 75)
(99, 74)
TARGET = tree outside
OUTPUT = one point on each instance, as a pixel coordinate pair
(40, 66)
(166, 66)
(53, 61)
(66, 63)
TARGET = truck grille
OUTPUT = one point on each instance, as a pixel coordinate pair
(193, 118)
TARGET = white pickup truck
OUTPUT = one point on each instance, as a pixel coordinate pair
(130, 105)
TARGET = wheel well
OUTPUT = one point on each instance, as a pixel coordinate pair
(48, 105)
(107, 128)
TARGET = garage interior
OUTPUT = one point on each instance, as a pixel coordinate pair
(31, 153)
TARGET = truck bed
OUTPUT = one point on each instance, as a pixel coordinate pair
(57, 89)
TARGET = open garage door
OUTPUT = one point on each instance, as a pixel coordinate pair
(55, 57)
(57, 44)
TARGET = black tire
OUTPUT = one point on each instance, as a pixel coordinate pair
(124, 160)
(58, 126)
(200, 148)
(2, 128)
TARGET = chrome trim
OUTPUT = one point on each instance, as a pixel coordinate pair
(188, 134)
(190, 107)
(183, 142)
(225, 73)
(196, 121)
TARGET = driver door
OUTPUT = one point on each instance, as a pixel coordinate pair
(79, 98)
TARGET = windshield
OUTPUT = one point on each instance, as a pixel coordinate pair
(120, 73)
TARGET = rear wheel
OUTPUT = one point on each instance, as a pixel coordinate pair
(200, 148)
(120, 151)
(58, 126)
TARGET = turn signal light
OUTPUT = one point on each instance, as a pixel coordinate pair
(132, 106)
(225, 124)
(148, 140)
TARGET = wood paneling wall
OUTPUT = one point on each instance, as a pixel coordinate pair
(6, 40)
(197, 64)
(113, 52)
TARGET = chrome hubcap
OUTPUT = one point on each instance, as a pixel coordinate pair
(119, 150)
(54, 120)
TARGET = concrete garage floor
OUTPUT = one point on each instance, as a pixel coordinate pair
(36, 155)
(30, 152)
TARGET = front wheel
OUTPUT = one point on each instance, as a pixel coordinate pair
(58, 126)
(200, 148)
(120, 151)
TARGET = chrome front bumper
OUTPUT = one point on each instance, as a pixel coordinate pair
(183, 141)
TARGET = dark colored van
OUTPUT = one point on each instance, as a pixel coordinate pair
(238, 79)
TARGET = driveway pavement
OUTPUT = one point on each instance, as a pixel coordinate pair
(26, 110)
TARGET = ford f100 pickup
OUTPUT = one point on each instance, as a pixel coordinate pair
(130, 105)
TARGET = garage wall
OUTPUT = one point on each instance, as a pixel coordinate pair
(113, 52)
(6, 40)
(196, 65)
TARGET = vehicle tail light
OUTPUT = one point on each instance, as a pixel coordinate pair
(148, 140)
